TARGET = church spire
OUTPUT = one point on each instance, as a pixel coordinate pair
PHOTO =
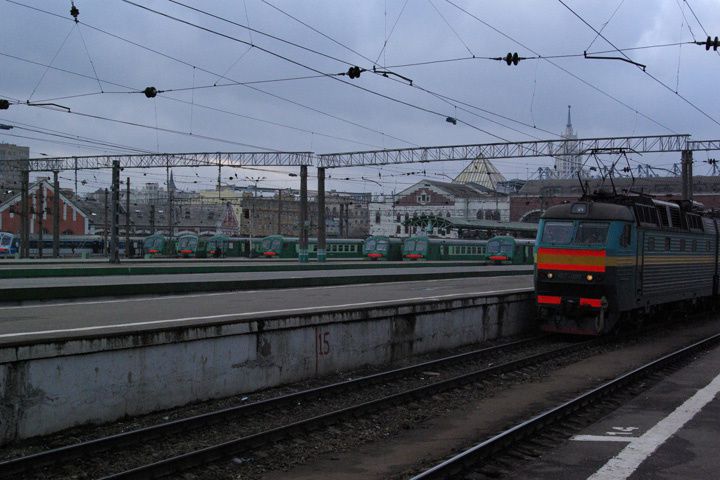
(171, 182)
(569, 133)
(569, 124)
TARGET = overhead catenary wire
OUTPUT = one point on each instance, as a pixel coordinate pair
(568, 72)
(300, 64)
(657, 80)
(245, 84)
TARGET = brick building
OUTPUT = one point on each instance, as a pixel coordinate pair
(73, 219)
(537, 195)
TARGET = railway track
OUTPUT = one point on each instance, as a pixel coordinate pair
(495, 456)
(309, 409)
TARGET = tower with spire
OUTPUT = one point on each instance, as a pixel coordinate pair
(568, 161)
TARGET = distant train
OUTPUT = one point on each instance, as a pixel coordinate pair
(608, 260)
(9, 244)
(70, 245)
(424, 248)
(278, 246)
(505, 250)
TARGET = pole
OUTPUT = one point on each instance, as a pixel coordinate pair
(303, 256)
(686, 164)
(25, 214)
(56, 215)
(105, 226)
(171, 194)
(252, 217)
(127, 217)
(40, 213)
(115, 216)
(279, 217)
(321, 214)
(152, 219)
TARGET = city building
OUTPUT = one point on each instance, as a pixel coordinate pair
(74, 220)
(472, 195)
(10, 176)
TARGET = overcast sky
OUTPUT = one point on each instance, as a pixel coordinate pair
(328, 113)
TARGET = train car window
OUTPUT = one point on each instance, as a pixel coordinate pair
(625, 238)
(667, 243)
(707, 246)
(682, 244)
(694, 246)
(651, 243)
(557, 232)
(590, 233)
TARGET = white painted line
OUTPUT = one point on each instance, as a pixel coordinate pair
(263, 312)
(629, 459)
(601, 438)
(213, 294)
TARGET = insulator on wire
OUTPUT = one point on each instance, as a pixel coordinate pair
(451, 120)
(512, 58)
(712, 43)
(4, 104)
(150, 92)
(354, 72)
(74, 12)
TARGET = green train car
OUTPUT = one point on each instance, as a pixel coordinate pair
(278, 246)
(157, 244)
(380, 247)
(424, 248)
(191, 245)
(505, 250)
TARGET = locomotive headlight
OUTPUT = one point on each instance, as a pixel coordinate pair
(550, 275)
(589, 277)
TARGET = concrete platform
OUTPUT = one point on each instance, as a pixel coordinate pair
(47, 288)
(63, 365)
(670, 432)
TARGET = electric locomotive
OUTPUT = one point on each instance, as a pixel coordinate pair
(609, 259)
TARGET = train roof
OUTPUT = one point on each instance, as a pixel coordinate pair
(590, 210)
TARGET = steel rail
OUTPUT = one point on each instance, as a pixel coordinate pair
(224, 450)
(500, 442)
(9, 468)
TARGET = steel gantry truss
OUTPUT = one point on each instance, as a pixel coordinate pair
(153, 160)
(539, 148)
(163, 160)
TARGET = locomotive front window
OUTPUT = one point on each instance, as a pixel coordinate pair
(557, 232)
(5, 240)
(276, 244)
(421, 245)
(493, 247)
(507, 248)
(409, 245)
(590, 233)
(266, 244)
(370, 244)
(382, 245)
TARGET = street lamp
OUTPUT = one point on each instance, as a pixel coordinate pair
(254, 181)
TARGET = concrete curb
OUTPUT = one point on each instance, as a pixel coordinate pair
(22, 294)
(164, 270)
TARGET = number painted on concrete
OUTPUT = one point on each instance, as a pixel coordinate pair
(322, 343)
